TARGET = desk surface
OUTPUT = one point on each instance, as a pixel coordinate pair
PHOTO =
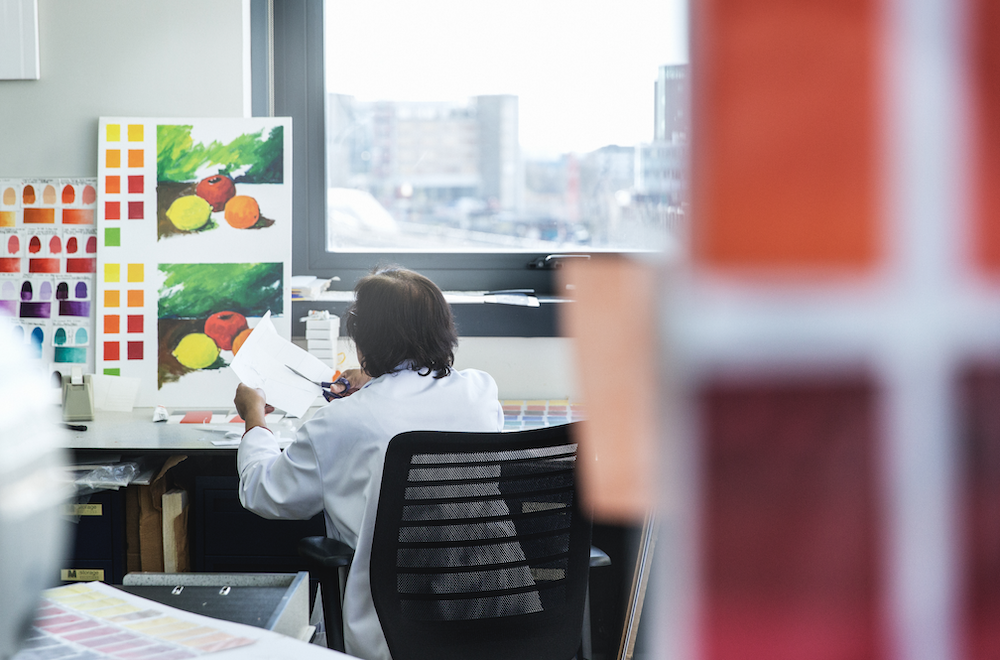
(136, 431)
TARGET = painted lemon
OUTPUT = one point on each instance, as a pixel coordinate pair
(242, 212)
(196, 351)
(189, 212)
(240, 338)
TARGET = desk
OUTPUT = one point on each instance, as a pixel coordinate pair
(223, 537)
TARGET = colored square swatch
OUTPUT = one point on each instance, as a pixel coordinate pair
(135, 272)
(112, 185)
(135, 350)
(135, 184)
(112, 299)
(135, 210)
(135, 322)
(135, 157)
(113, 132)
(135, 132)
(112, 211)
(115, 371)
(112, 273)
(113, 237)
(112, 323)
(113, 158)
(135, 298)
(111, 350)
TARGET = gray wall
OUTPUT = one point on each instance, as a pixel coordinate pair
(182, 58)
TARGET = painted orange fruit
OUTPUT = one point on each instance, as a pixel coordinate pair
(242, 212)
(239, 339)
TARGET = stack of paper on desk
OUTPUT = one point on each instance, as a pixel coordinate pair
(263, 362)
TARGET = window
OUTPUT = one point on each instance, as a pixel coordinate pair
(471, 140)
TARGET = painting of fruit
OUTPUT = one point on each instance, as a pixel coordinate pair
(216, 190)
(198, 181)
(223, 327)
(189, 212)
(204, 312)
(242, 212)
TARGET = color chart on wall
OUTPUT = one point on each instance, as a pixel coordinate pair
(48, 254)
(194, 226)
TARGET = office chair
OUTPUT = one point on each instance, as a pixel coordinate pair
(328, 561)
(480, 549)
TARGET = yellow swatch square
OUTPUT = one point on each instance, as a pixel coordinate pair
(114, 132)
(113, 158)
(135, 272)
(135, 157)
(135, 132)
(7, 218)
(112, 299)
(112, 273)
(135, 298)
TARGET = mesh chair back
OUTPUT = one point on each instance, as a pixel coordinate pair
(479, 549)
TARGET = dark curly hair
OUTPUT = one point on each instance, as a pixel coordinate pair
(397, 316)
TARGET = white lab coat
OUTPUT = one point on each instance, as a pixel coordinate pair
(335, 465)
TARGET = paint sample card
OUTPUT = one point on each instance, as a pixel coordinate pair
(48, 256)
(93, 620)
(194, 227)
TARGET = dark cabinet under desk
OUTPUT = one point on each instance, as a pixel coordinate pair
(96, 526)
(230, 539)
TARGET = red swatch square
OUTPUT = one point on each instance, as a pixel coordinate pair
(197, 417)
(135, 350)
(111, 350)
(112, 211)
(135, 184)
(135, 323)
(135, 210)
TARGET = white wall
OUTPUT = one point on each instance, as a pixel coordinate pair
(182, 58)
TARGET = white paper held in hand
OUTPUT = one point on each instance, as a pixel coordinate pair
(263, 362)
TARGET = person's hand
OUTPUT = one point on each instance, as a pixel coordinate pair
(356, 377)
(251, 404)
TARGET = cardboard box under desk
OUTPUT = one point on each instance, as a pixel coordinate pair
(153, 540)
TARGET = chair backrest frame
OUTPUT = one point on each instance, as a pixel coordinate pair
(553, 633)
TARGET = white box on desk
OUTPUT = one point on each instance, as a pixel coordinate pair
(328, 334)
(321, 344)
(333, 323)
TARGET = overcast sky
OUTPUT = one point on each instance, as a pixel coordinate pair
(584, 70)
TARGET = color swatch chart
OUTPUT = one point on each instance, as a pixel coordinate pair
(92, 621)
(48, 255)
(126, 219)
(521, 414)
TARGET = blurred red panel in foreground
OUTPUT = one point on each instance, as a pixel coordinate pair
(790, 531)
(980, 408)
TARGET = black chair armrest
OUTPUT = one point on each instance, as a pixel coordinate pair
(326, 552)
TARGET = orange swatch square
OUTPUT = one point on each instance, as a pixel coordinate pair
(135, 157)
(112, 323)
(112, 298)
(113, 158)
(6, 218)
(112, 185)
(135, 297)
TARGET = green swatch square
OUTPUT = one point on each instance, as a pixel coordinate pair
(113, 237)
(116, 371)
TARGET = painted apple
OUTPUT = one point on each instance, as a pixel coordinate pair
(223, 328)
(216, 190)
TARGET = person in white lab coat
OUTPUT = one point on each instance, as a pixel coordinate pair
(405, 336)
